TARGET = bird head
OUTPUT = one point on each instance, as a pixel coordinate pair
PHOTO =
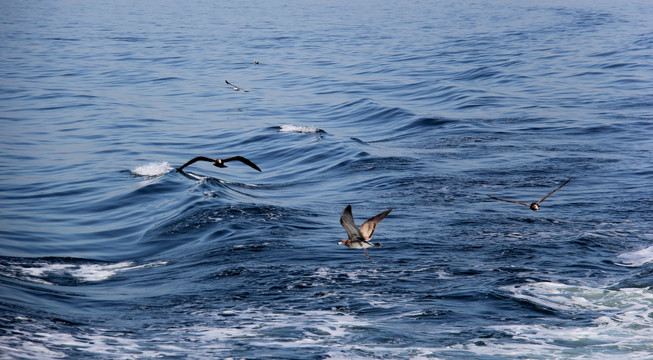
(534, 207)
(344, 242)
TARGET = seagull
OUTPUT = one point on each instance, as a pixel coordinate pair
(360, 238)
(219, 162)
(534, 206)
(236, 88)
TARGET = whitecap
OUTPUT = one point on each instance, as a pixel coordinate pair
(36, 344)
(564, 297)
(624, 327)
(152, 169)
(262, 326)
(288, 128)
(637, 258)
(81, 272)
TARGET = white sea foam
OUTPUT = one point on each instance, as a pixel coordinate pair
(152, 169)
(262, 325)
(319, 329)
(202, 340)
(637, 258)
(563, 297)
(82, 272)
(625, 329)
(49, 344)
(288, 128)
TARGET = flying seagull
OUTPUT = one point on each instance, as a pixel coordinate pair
(219, 162)
(534, 206)
(236, 88)
(360, 238)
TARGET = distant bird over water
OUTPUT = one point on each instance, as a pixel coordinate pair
(236, 88)
(220, 162)
(360, 238)
(534, 206)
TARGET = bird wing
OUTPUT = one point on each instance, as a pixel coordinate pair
(549, 194)
(195, 159)
(243, 160)
(235, 87)
(347, 221)
(510, 201)
(368, 227)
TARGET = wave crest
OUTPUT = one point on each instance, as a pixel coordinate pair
(152, 169)
(289, 128)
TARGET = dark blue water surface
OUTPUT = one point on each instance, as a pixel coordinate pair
(424, 107)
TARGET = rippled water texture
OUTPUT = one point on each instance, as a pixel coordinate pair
(106, 251)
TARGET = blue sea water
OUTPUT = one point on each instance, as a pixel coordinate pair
(424, 107)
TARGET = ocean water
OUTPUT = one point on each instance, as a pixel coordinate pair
(107, 252)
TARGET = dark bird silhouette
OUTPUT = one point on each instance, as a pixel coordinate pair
(220, 162)
(536, 205)
(360, 238)
(236, 88)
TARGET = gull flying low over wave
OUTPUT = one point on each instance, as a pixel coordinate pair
(236, 88)
(360, 238)
(536, 205)
(219, 162)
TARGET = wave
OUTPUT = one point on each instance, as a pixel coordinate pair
(67, 271)
(623, 327)
(289, 128)
(636, 258)
(260, 327)
(152, 169)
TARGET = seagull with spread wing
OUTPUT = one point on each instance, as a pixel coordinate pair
(360, 238)
(536, 205)
(236, 88)
(220, 162)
